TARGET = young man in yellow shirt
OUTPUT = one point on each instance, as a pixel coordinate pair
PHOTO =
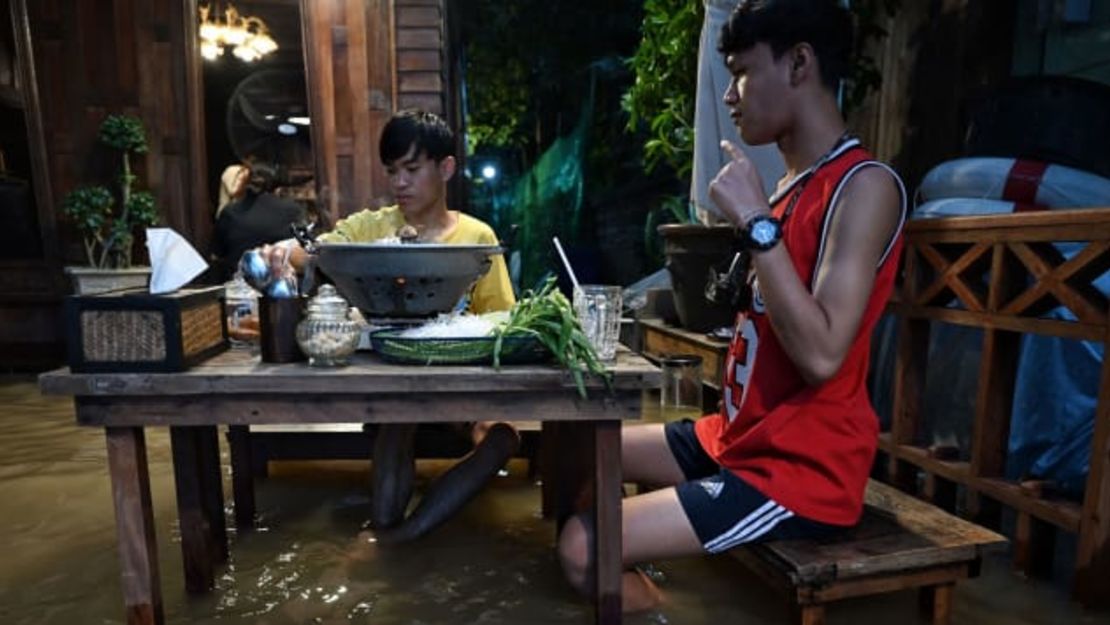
(417, 150)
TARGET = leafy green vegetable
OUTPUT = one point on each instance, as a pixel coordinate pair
(550, 318)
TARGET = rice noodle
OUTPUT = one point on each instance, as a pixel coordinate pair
(455, 326)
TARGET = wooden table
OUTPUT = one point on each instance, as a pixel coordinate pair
(234, 388)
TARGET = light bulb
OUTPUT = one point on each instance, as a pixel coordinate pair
(209, 31)
(235, 35)
(210, 50)
(245, 53)
(264, 44)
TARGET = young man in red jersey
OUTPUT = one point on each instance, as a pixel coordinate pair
(789, 452)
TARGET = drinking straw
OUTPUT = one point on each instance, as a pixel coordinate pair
(566, 263)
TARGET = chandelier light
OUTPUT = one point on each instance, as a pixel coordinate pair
(247, 36)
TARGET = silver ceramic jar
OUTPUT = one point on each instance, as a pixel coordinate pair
(327, 335)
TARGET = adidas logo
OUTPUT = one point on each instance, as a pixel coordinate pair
(713, 486)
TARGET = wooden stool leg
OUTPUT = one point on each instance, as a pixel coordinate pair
(936, 602)
(809, 614)
(1034, 545)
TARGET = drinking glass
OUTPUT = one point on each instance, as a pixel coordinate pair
(681, 390)
(599, 311)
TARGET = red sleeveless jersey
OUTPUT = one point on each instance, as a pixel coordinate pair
(810, 448)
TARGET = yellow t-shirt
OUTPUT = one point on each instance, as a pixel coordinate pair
(493, 291)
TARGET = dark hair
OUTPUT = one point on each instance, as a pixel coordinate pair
(427, 131)
(263, 178)
(781, 24)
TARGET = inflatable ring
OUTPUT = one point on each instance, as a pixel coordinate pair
(1015, 180)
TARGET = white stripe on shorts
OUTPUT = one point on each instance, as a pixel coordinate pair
(751, 527)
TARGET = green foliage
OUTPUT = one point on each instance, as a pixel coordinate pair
(527, 67)
(662, 96)
(499, 110)
(108, 236)
(124, 133)
(550, 318)
(89, 207)
(141, 209)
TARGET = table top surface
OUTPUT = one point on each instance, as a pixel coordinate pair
(241, 371)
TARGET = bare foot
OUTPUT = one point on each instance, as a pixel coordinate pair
(638, 592)
(391, 535)
(363, 547)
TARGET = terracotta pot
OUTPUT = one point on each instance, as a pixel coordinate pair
(692, 250)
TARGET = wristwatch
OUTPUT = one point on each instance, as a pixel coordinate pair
(763, 233)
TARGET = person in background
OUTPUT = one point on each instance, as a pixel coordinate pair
(789, 452)
(417, 149)
(258, 218)
(302, 190)
(233, 184)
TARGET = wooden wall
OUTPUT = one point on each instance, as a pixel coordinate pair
(85, 59)
(365, 60)
(421, 67)
(30, 288)
(350, 92)
(96, 58)
(939, 58)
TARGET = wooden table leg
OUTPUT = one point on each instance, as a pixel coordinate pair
(566, 454)
(549, 435)
(196, 553)
(607, 520)
(242, 477)
(212, 490)
(809, 614)
(936, 602)
(138, 554)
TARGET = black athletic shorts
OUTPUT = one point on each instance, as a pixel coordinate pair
(724, 510)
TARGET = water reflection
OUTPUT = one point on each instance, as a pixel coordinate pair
(313, 562)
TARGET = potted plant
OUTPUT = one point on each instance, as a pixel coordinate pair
(108, 222)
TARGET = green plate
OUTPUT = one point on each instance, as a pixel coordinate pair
(456, 351)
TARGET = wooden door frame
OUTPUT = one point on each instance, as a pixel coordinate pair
(36, 139)
(202, 210)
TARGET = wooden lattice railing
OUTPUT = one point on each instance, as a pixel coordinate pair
(1001, 273)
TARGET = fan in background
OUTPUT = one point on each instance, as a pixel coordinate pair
(267, 120)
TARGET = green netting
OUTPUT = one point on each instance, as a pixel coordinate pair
(547, 199)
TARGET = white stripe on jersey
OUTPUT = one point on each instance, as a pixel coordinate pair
(844, 147)
(831, 208)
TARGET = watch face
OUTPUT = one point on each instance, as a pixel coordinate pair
(763, 232)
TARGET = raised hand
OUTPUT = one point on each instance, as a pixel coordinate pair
(737, 189)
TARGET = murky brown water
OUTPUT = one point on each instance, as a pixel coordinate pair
(492, 564)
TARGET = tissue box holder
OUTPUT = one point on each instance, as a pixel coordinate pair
(132, 330)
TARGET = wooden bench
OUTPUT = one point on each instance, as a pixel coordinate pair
(900, 543)
(1001, 273)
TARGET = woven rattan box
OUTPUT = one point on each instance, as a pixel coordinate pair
(132, 330)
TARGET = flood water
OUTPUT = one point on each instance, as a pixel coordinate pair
(308, 562)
